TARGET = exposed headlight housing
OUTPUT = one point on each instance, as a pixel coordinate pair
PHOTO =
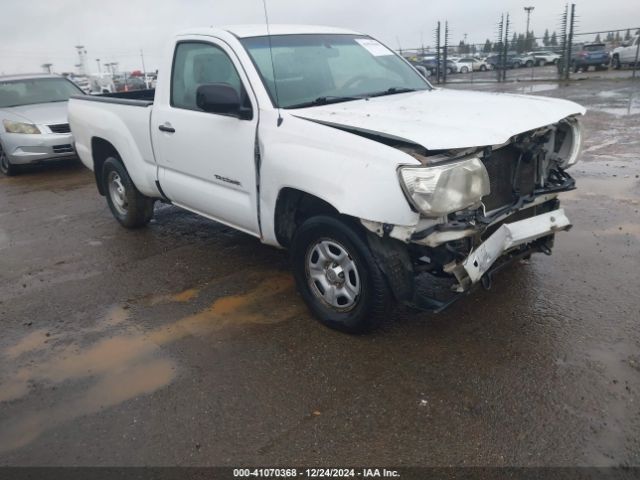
(570, 144)
(20, 127)
(441, 189)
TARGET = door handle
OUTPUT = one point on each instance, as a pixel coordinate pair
(166, 128)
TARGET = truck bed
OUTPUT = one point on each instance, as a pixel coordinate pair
(139, 98)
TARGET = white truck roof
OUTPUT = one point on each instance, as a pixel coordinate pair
(259, 30)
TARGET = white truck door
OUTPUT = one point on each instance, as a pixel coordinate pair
(628, 54)
(206, 161)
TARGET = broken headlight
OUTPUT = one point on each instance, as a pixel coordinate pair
(568, 142)
(442, 189)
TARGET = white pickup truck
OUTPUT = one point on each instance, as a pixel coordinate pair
(325, 142)
(626, 54)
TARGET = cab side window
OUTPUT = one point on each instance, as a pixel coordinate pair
(196, 64)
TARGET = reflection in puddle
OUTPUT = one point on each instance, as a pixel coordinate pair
(126, 364)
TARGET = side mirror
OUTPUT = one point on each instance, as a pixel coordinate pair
(221, 98)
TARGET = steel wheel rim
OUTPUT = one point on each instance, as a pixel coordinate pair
(332, 274)
(118, 193)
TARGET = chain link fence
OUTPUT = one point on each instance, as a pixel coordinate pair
(564, 54)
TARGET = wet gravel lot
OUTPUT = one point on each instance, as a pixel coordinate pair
(185, 343)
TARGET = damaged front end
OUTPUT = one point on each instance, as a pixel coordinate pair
(479, 210)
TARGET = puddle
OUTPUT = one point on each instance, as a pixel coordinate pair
(538, 87)
(618, 103)
(129, 362)
(34, 341)
(181, 297)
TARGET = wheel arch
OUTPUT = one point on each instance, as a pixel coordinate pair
(293, 207)
(101, 149)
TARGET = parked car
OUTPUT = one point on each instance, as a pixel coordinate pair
(459, 67)
(430, 64)
(346, 156)
(126, 83)
(545, 57)
(512, 61)
(625, 54)
(524, 60)
(33, 111)
(473, 64)
(590, 55)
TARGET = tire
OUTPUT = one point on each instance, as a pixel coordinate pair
(5, 165)
(529, 64)
(131, 208)
(615, 62)
(483, 68)
(516, 64)
(464, 70)
(541, 63)
(317, 246)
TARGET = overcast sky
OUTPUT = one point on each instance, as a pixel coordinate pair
(33, 32)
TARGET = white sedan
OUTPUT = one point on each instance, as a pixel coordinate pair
(475, 64)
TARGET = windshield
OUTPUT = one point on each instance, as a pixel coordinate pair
(30, 91)
(331, 67)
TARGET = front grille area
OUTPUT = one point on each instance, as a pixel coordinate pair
(63, 148)
(60, 128)
(508, 179)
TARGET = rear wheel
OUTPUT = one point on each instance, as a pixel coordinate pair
(131, 208)
(483, 68)
(464, 70)
(338, 276)
(5, 165)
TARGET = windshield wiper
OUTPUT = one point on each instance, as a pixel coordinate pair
(325, 101)
(391, 91)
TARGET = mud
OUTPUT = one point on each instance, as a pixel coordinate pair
(186, 343)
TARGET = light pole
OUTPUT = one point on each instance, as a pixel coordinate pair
(528, 10)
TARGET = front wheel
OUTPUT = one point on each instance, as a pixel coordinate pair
(529, 64)
(615, 62)
(5, 165)
(464, 70)
(130, 207)
(483, 68)
(338, 276)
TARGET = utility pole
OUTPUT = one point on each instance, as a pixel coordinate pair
(47, 67)
(99, 70)
(528, 10)
(144, 70)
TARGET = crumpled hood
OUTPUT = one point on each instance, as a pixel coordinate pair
(443, 119)
(39, 113)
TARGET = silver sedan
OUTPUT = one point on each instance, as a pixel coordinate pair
(33, 120)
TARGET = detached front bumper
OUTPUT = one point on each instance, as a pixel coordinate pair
(22, 149)
(506, 238)
(432, 278)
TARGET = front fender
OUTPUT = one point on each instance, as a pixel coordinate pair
(355, 175)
